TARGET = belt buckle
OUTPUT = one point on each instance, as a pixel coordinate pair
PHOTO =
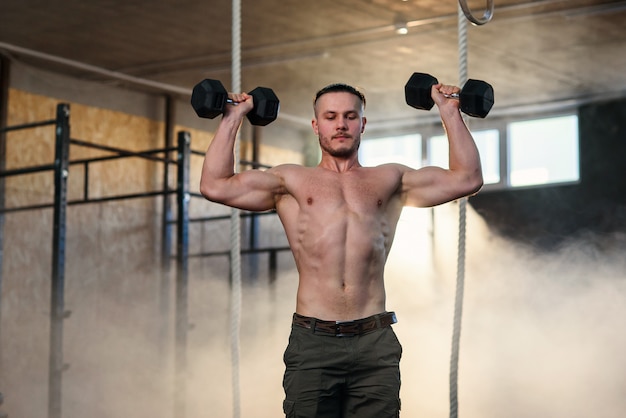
(340, 324)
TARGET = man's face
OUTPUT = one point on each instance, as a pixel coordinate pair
(339, 123)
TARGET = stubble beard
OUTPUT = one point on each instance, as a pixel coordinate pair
(341, 152)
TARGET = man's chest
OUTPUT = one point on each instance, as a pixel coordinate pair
(359, 194)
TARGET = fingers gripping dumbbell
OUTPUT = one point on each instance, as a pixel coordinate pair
(475, 98)
(209, 97)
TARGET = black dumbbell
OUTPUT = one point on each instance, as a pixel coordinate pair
(475, 98)
(209, 97)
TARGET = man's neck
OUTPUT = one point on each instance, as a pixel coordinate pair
(339, 165)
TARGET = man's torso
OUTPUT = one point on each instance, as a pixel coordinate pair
(340, 227)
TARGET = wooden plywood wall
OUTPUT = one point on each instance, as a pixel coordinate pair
(111, 248)
(115, 289)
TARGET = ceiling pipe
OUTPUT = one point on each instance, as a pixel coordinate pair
(115, 75)
(151, 85)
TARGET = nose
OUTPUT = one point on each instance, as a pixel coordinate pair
(341, 123)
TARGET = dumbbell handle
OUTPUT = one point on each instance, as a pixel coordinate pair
(232, 102)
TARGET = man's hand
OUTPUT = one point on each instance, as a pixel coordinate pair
(242, 104)
(441, 95)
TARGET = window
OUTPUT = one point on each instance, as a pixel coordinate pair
(543, 151)
(406, 149)
(488, 143)
(515, 154)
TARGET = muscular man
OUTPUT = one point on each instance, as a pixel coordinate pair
(340, 218)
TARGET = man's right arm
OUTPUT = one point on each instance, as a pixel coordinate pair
(253, 190)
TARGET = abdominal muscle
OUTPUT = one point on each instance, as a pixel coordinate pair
(340, 261)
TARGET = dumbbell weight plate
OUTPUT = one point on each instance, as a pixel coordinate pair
(266, 106)
(476, 98)
(208, 98)
(417, 91)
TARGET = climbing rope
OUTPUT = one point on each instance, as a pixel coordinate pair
(470, 16)
(235, 226)
(458, 312)
(460, 276)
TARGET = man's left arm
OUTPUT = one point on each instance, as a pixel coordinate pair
(431, 186)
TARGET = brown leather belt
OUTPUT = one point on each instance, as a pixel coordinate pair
(345, 328)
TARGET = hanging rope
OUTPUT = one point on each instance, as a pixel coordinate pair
(470, 16)
(460, 275)
(235, 226)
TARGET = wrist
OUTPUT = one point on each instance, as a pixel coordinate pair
(232, 119)
(450, 113)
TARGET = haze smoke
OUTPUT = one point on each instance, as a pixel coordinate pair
(542, 333)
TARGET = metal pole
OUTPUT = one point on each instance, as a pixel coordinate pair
(4, 100)
(166, 231)
(182, 273)
(57, 296)
(166, 239)
(253, 227)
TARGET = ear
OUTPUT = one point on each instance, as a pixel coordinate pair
(314, 126)
(363, 122)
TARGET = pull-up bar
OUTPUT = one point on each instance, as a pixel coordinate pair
(60, 167)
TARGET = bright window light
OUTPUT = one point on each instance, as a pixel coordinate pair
(488, 143)
(438, 151)
(540, 151)
(406, 149)
(543, 151)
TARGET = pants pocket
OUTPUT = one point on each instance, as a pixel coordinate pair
(289, 408)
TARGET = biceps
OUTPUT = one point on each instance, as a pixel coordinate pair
(249, 190)
(430, 186)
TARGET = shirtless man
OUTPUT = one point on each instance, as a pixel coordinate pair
(340, 218)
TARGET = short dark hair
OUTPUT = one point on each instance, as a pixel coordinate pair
(339, 87)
